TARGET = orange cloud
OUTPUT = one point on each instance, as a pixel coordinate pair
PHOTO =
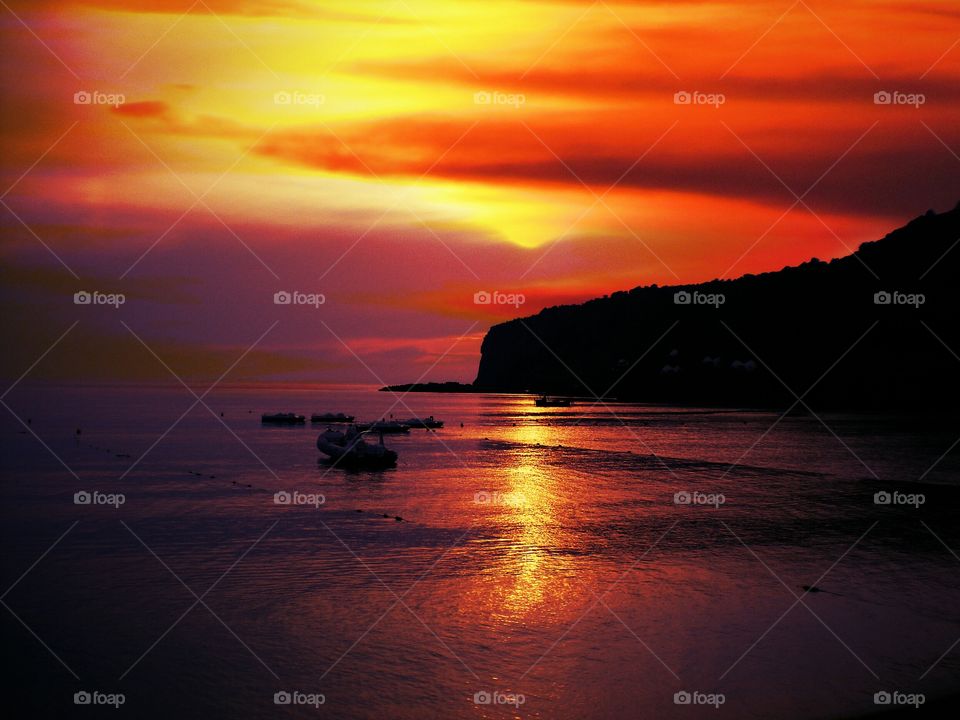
(144, 109)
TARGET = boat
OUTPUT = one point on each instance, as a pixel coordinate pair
(429, 422)
(283, 419)
(390, 427)
(544, 401)
(331, 418)
(347, 448)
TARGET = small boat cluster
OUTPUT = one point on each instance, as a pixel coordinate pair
(347, 447)
(401, 426)
(385, 426)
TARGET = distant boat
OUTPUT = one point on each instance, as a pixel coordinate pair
(283, 419)
(428, 422)
(349, 449)
(391, 427)
(331, 418)
(544, 401)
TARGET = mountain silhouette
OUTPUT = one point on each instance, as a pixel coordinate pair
(877, 329)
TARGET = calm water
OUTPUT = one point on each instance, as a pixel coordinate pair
(541, 552)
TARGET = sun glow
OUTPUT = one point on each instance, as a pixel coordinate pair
(535, 146)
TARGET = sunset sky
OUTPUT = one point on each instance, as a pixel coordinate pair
(399, 157)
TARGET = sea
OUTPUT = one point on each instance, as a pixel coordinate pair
(167, 555)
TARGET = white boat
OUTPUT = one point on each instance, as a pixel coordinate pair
(349, 449)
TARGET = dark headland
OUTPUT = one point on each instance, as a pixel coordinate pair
(877, 329)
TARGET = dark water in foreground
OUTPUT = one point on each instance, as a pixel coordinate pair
(541, 553)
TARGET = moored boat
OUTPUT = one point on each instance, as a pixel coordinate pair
(347, 448)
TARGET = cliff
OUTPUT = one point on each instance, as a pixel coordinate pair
(876, 329)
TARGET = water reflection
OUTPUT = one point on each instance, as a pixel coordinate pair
(531, 571)
(509, 597)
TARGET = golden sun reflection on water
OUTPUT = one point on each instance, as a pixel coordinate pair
(531, 572)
